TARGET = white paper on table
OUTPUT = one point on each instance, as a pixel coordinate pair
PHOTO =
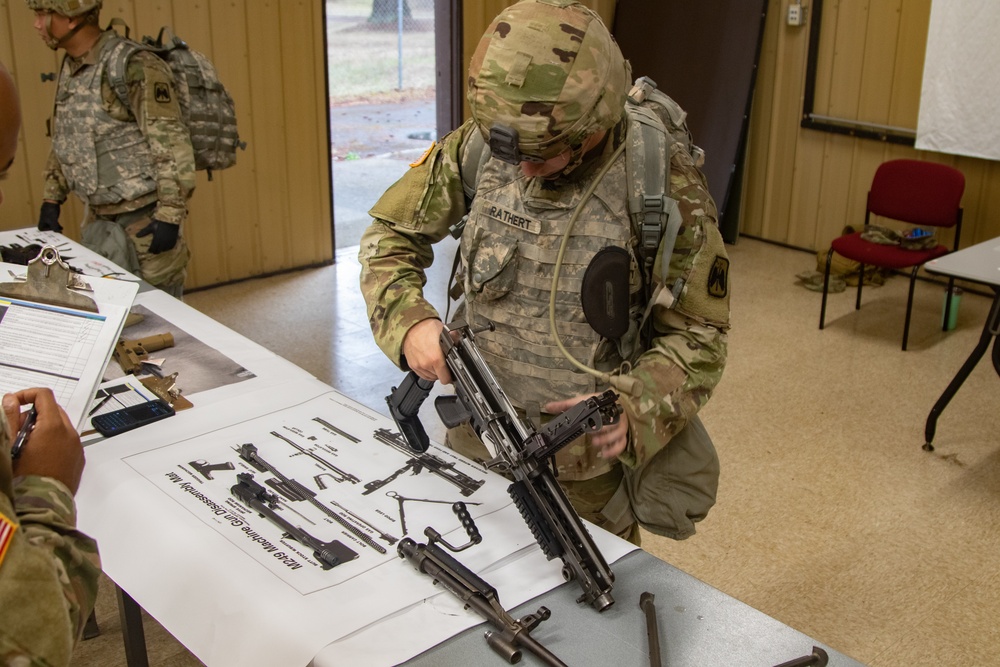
(63, 349)
(167, 551)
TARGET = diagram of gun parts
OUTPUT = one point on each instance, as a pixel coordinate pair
(295, 491)
(338, 474)
(331, 427)
(256, 497)
(206, 469)
(419, 462)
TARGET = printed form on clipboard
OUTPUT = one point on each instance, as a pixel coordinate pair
(58, 329)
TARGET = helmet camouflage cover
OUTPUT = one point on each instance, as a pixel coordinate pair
(70, 8)
(550, 70)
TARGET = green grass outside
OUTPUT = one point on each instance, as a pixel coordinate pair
(364, 62)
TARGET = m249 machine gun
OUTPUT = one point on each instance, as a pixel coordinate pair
(520, 451)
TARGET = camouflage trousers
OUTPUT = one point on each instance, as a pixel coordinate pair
(597, 500)
(114, 237)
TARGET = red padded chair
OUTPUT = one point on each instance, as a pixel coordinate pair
(924, 194)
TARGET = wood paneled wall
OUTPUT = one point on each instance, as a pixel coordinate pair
(268, 213)
(272, 210)
(802, 186)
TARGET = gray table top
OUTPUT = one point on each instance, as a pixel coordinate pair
(699, 625)
(979, 263)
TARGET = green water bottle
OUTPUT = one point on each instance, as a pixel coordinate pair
(956, 299)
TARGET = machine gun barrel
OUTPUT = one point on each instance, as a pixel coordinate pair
(482, 598)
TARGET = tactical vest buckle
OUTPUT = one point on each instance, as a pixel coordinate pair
(651, 221)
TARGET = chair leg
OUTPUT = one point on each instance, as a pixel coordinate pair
(909, 306)
(861, 282)
(947, 305)
(826, 286)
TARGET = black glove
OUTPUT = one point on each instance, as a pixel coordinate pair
(164, 235)
(48, 217)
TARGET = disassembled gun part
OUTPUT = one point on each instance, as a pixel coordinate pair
(255, 496)
(401, 499)
(652, 630)
(130, 354)
(817, 658)
(481, 597)
(467, 522)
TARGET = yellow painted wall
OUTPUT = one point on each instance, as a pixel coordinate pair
(268, 213)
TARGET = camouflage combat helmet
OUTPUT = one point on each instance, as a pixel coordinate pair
(546, 75)
(70, 8)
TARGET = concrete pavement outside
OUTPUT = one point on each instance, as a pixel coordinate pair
(372, 146)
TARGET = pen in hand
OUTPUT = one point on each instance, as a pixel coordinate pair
(100, 404)
(23, 433)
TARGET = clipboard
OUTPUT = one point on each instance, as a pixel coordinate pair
(49, 280)
(59, 329)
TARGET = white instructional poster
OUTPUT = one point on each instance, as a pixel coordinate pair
(318, 493)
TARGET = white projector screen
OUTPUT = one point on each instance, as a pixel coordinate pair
(960, 97)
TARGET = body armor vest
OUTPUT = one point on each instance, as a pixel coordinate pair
(509, 249)
(105, 160)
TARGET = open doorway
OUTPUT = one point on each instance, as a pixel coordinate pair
(381, 56)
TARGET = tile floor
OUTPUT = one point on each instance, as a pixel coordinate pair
(830, 517)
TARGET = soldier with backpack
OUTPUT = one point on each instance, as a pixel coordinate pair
(131, 163)
(591, 244)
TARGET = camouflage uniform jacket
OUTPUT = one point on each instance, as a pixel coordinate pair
(120, 158)
(508, 250)
(49, 572)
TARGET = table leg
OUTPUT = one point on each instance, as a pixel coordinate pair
(990, 330)
(133, 635)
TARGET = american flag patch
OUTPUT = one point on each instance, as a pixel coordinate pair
(7, 530)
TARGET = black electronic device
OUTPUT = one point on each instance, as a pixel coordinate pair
(128, 418)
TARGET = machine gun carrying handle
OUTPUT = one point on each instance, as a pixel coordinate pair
(468, 523)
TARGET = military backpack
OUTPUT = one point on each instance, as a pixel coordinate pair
(207, 109)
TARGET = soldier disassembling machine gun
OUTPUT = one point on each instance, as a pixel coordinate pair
(520, 451)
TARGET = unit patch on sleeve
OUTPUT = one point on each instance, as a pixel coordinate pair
(718, 278)
(518, 220)
(161, 92)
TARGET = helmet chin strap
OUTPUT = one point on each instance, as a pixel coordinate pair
(50, 39)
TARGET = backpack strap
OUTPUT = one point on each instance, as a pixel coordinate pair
(118, 64)
(656, 218)
(647, 153)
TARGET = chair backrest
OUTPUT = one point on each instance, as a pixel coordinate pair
(921, 193)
